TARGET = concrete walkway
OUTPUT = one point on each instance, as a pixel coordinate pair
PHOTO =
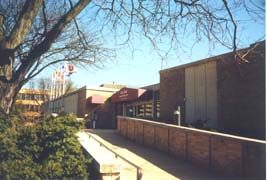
(155, 164)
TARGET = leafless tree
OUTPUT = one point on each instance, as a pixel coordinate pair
(69, 86)
(44, 83)
(35, 34)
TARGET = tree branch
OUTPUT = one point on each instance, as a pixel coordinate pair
(234, 24)
(24, 23)
(52, 35)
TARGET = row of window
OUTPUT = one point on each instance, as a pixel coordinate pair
(145, 110)
(27, 107)
(39, 97)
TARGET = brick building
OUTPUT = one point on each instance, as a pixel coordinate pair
(138, 102)
(133, 102)
(218, 92)
(80, 102)
(29, 101)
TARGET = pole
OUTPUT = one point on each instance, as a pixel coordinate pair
(179, 116)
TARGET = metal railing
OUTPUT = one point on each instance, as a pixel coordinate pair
(139, 173)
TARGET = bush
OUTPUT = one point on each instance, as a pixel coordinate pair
(47, 150)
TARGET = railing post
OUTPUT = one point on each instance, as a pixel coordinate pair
(139, 174)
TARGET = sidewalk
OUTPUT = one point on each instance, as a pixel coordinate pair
(155, 164)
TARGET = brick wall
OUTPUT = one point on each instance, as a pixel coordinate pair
(172, 93)
(230, 156)
(241, 95)
(105, 116)
(81, 102)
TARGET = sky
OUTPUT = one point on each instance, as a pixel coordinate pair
(141, 67)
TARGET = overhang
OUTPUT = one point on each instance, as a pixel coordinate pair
(96, 99)
(127, 94)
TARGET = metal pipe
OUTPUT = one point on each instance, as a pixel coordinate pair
(139, 173)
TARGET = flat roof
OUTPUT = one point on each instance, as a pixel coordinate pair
(33, 91)
(102, 89)
(209, 59)
(151, 87)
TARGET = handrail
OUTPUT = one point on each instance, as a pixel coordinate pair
(139, 173)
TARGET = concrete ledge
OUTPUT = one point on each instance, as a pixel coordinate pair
(164, 125)
(105, 161)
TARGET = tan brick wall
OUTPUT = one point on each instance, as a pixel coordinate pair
(119, 125)
(149, 135)
(198, 149)
(124, 127)
(226, 155)
(177, 143)
(161, 138)
(231, 156)
(139, 132)
(130, 130)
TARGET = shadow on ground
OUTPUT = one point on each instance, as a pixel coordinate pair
(179, 168)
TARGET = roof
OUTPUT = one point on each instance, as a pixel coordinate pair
(102, 89)
(151, 87)
(206, 60)
(115, 86)
(88, 88)
(33, 91)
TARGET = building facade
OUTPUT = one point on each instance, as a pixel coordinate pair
(29, 101)
(138, 102)
(80, 102)
(219, 93)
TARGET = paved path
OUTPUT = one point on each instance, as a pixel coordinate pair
(155, 165)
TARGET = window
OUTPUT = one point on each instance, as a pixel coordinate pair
(140, 110)
(129, 111)
(158, 109)
(19, 96)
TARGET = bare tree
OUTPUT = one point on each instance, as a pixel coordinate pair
(35, 34)
(69, 86)
(44, 83)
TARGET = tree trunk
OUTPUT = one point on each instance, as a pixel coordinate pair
(8, 93)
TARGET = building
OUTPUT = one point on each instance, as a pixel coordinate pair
(141, 103)
(217, 93)
(133, 102)
(80, 102)
(29, 101)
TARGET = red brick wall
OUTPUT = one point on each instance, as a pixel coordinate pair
(172, 93)
(241, 95)
(105, 116)
(82, 102)
(230, 156)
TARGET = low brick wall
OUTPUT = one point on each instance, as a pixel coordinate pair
(231, 156)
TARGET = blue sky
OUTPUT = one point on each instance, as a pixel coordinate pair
(141, 67)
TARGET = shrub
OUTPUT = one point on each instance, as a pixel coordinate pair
(47, 150)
